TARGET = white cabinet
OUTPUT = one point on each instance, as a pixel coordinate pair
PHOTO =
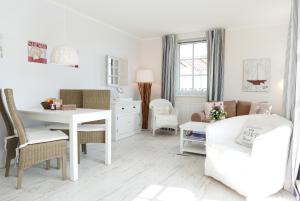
(126, 118)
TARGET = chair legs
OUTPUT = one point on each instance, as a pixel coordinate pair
(84, 148)
(79, 151)
(7, 165)
(175, 130)
(64, 167)
(48, 164)
(58, 163)
(20, 177)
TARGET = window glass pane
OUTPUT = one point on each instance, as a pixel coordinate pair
(200, 82)
(186, 67)
(200, 50)
(186, 83)
(186, 51)
(200, 66)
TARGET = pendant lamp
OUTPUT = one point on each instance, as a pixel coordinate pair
(63, 54)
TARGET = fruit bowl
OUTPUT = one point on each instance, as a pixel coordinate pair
(46, 105)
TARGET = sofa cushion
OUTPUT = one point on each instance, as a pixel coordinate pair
(243, 108)
(260, 108)
(230, 108)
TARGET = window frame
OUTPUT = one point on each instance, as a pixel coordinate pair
(178, 76)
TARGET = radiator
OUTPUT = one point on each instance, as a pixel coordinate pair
(186, 107)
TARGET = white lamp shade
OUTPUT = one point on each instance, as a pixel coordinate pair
(144, 75)
(63, 55)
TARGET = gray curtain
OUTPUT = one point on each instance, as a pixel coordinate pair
(291, 103)
(169, 48)
(215, 64)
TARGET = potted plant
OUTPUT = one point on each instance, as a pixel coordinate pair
(217, 113)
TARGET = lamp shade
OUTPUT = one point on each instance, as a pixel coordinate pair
(63, 55)
(144, 75)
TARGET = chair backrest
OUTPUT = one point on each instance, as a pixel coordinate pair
(5, 114)
(160, 103)
(96, 99)
(71, 96)
(17, 122)
(86, 98)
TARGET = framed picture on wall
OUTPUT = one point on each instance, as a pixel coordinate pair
(37, 52)
(257, 75)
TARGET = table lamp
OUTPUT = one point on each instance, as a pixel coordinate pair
(144, 78)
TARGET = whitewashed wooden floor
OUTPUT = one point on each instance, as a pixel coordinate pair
(144, 168)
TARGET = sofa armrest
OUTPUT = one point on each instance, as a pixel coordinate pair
(199, 117)
(270, 150)
(269, 157)
(224, 131)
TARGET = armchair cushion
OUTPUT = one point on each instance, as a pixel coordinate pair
(45, 136)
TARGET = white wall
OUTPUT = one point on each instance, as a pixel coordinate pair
(240, 44)
(260, 42)
(151, 57)
(42, 21)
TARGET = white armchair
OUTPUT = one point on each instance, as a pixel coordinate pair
(163, 115)
(253, 172)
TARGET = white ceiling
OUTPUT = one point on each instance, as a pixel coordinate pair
(153, 18)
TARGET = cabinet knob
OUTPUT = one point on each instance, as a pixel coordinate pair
(133, 106)
(123, 108)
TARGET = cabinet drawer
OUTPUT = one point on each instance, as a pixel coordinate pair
(122, 109)
(129, 108)
(135, 108)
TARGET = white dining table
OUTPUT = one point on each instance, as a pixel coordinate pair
(73, 118)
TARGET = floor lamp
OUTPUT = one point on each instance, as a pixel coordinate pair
(144, 78)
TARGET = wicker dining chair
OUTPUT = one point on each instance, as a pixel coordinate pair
(35, 147)
(11, 140)
(91, 132)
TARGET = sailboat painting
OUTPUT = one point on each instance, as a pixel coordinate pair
(257, 75)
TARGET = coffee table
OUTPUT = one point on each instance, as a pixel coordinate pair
(189, 144)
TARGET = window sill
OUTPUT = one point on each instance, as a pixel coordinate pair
(192, 96)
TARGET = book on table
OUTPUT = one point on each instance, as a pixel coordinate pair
(196, 135)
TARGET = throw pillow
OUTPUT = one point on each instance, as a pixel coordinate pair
(260, 108)
(250, 131)
(210, 105)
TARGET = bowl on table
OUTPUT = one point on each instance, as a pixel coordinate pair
(46, 105)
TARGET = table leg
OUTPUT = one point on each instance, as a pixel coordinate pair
(108, 141)
(181, 141)
(73, 150)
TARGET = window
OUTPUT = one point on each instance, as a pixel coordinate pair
(192, 73)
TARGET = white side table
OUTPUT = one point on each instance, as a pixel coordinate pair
(192, 145)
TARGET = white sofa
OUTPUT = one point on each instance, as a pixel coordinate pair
(253, 172)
